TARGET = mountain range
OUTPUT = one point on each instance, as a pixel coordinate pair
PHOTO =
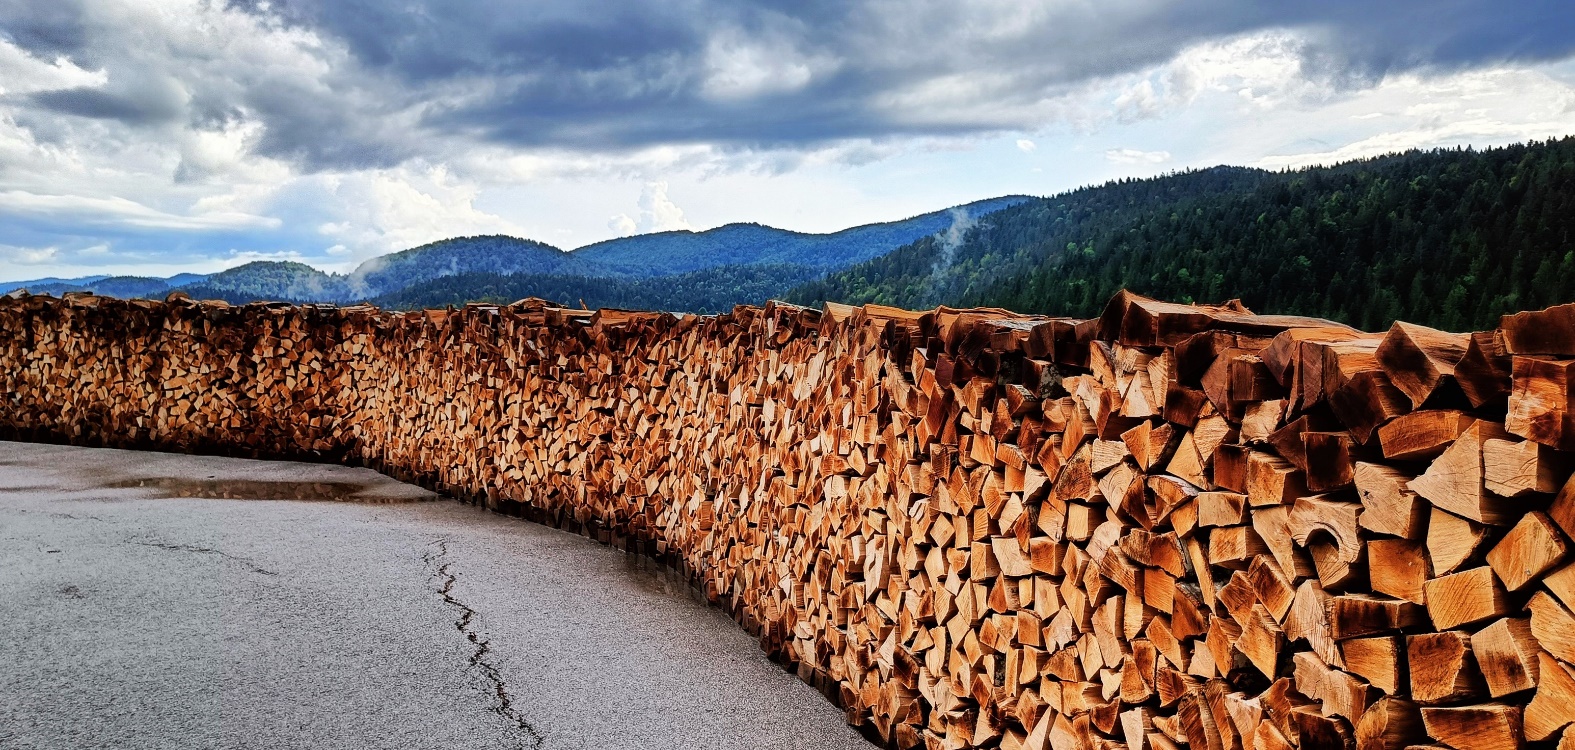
(1450, 238)
(621, 271)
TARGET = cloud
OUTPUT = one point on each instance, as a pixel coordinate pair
(622, 225)
(114, 212)
(146, 101)
(1134, 156)
(358, 85)
(28, 256)
(178, 130)
(657, 212)
(380, 211)
(1412, 111)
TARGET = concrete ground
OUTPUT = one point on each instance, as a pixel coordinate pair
(140, 609)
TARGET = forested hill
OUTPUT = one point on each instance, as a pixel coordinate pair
(681, 252)
(705, 271)
(1450, 239)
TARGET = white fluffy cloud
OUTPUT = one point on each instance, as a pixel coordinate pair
(658, 213)
(382, 211)
(28, 256)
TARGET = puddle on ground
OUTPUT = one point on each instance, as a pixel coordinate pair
(253, 489)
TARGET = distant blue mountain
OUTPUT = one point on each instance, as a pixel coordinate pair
(497, 254)
(667, 253)
(126, 287)
(735, 263)
(283, 281)
(31, 284)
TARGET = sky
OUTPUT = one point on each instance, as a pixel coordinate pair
(150, 137)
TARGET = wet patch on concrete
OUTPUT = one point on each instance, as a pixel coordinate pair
(253, 489)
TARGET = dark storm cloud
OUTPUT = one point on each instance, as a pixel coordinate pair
(628, 73)
(1384, 37)
(150, 102)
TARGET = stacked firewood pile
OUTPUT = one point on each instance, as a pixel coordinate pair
(1170, 526)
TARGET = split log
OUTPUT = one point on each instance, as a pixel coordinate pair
(1419, 359)
(1422, 435)
(1553, 706)
(1530, 549)
(1465, 598)
(1550, 331)
(1453, 541)
(1484, 373)
(1388, 504)
(1456, 480)
(1390, 724)
(1399, 568)
(1443, 669)
(1485, 727)
(1380, 661)
(1541, 407)
(1507, 653)
(1513, 469)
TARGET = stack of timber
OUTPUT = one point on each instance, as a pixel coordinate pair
(1171, 526)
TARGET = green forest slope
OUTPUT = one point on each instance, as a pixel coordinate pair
(1450, 239)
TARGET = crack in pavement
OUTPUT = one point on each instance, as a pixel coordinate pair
(504, 707)
(208, 551)
(69, 516)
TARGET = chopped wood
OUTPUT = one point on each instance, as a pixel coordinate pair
(1456, 481)
(1388, 504)
(1507, 652)
(1399, 568)
(1533, 547)
(1422, 435)
(1453, 541)
(1541, 407)
(1553, 706)
(1390, 724)
(1484, 372)
(1548, 331)
(1379, 660)
(1562, 510)
(1552, 626)
(1465, 598)
(1355, 615)
(1443, 669)
(1221, 508)
(1341, 694)
(1317, 514)
(1419, 359)
(1485, 727)
(1272, 480)
(1516, 468)
(1173, 526)
(1561, 583)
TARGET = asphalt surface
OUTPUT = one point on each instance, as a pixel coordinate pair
(140, 609)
